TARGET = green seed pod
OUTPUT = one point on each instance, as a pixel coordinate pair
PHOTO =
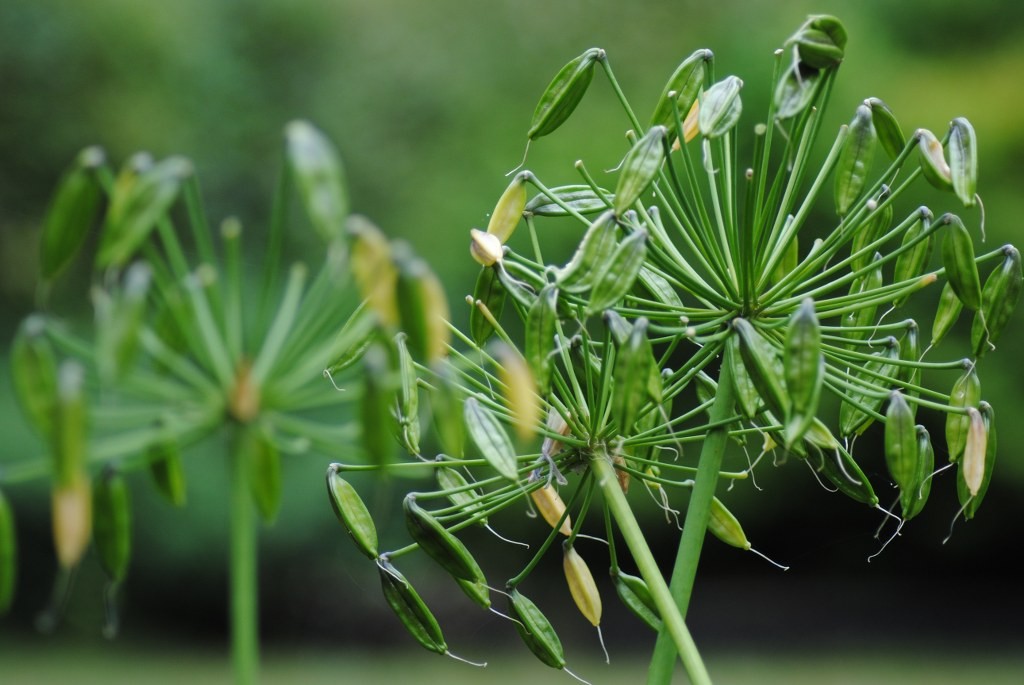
(659, 287)
(747, 396)
(725, 526)
(680, 92)
(540, 336)
(71, 214)
(963, 160)
(840, 468)
(491, 439)
(581, 584)
(795, 90)
(966, 393)
(865, 314)
(536, 630)
(720, 107)
(635, 594)
(477, 591)
(912, 263)
(805, 369)
(912, 500)
(612, 284)
(351, 512)
(459, 492)
(136, 207)
(164, 459)
(877, 223)
(890, 135)
(790, 258)
(354, 353)
(639, 168)
(758, 358)
(970, 502)
(407, 402)
(852, 419)
(491, 294)
(320, 177)
(946, 313)
(563, 94)
(440, 545)
(70, 425)
(820, 436)
(509, 210)
(591, 257)
(910, 351)
(8, 555)
(855, 160)
(379, 391)
(958, 258)
(998, 300)
(933, 160)
(373, 269)
(34, 374)
(263, 469)
(820, 41)
(118, 322)
(112, 524)
(580, 198)
(410, 608)
(422, 307)
(633, 364)
(901, 450)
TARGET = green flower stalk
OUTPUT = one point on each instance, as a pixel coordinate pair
(701, 274)
(181, 355)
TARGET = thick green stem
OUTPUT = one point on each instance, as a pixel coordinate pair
(674, 626)
(244, 631)
(696, 524)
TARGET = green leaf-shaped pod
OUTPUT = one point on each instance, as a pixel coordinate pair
(720, 107)
(855, 160)
(563, 94)
(890, 135)
(635, 594)
(8, 555)
(112, 523)
(263, 469)
(820, 41)
(592, 255)
(918, 241)
(580, 198)
(681, 90)
(843, 471)
(139, 201)
(540, 335)
(407, 405)
(508, 212)
(946, 314)
(724, 525)
(612, 284)
(491, 439)
(351, 512)
(459, 491)
(963, 160)
(320, 177)
(966, 393)
(795, 90)
(901, 448)
(998, 301)
(375, 405)
(410, 608)
(878, 222)
(912, 500)
(640, 167)
(439, 544)
(634, 362)
(536, 630)
(958, 258)
(757, 355)
(34, 374)
(71, 214)
(491, 294)
(933, 160)
(969, 501)
(164, 459)
(805, 369)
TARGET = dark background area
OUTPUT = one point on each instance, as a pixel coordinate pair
(428, 104)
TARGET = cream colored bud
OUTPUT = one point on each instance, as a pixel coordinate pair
(485, 247)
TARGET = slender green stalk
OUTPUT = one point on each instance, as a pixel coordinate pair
(244, 627)
(695, 527)
(674, 626)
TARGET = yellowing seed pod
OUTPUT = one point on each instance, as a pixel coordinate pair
(963, 160)
(509, 210)
(72, 519)
(680, 92)
(933, 160)
(581, 585)
(422, 307)
(374, 272)
(485, 248)
(966, 392)
(551, 507)
(975, 452)
(519, 390)
(351, 512)
(971, 501)
(320, 177)
(8, 555)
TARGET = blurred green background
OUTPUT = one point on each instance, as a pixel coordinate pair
(428, 103)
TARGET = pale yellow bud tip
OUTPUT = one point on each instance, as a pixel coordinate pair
(484, 247)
